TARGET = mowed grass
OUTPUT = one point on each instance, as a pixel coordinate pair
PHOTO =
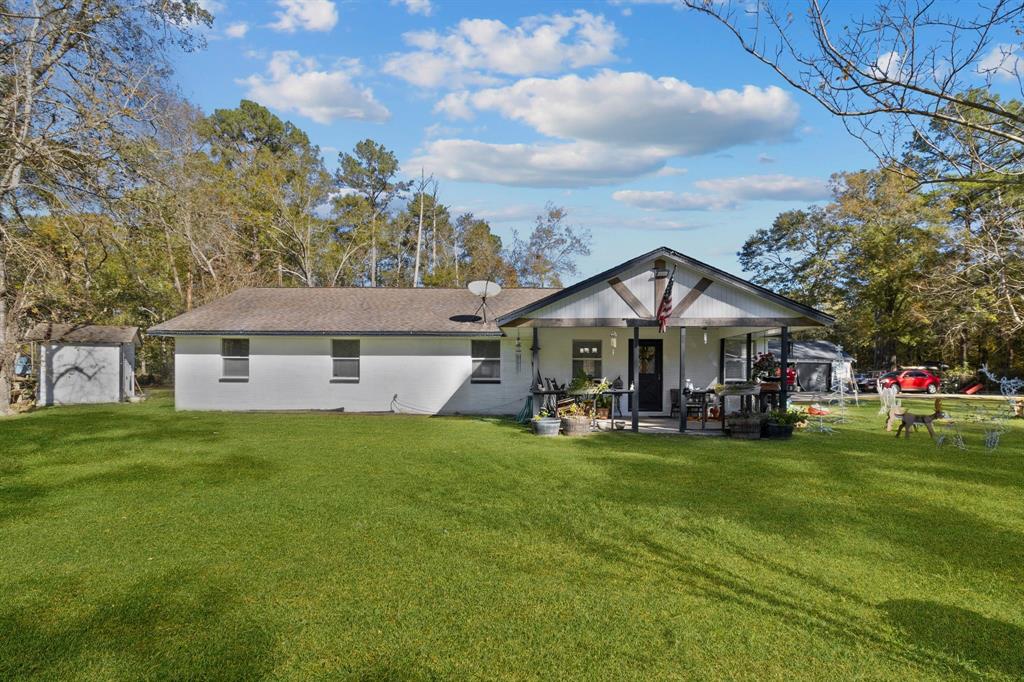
(142, 543)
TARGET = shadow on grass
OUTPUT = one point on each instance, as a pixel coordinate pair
(178, 625)
(992, 645)
(18, 499)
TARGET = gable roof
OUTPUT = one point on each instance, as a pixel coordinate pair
(82, 333)
(699, 266)
(347, 311)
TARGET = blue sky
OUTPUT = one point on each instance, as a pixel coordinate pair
(648, 123)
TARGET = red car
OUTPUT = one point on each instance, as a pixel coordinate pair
(910, 380)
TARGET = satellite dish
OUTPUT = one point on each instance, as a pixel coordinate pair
(483, 288)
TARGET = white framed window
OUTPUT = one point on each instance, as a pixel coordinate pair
(345, 361)
(735, 360)
(586, 359)
(486, 356)
(234, 354)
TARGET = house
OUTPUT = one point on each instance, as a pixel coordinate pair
(84, 363)
(426, 351)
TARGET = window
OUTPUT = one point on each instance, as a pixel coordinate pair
(735, 359)
(586, 359)
(345, 360)
(234, 355)
(486, 362)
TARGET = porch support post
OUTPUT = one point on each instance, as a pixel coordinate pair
(634, 398)
(750, 351)
(535, 370)
(784, 361)
(682, 379)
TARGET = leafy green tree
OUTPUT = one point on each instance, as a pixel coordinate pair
(371, 171)
(549, 252)
(862, 258)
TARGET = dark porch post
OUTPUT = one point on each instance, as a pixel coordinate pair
(634, 398)
(784, 361)
(535, 367)
(750, 350)
(682, 379)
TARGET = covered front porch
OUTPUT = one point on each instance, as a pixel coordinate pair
(601, 328)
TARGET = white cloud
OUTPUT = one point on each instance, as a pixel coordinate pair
(784, 187)
(423, 7)
(670, 171)
(237, 30)
(888, 65)
(1003, 61)
(634, 108)
(607, 128)
(671, 201)
(727, 193)
(296, 83)
(478, 51)
(310, 15)
(572, 164)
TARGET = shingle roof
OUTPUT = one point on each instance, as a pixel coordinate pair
(82, 333)
(348, 310)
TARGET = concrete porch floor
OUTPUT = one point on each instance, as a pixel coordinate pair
(667, 426)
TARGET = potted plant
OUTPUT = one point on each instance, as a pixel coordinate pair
(744, 425)
(780, 423)
(764, 370)
(576, 420)
(546, 425)
(738, 388)
(603, 409)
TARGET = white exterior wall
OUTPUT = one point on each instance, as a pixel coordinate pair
(81, 373)
(429, 374)
(701, 359)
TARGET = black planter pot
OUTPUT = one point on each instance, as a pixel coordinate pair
(777, 430)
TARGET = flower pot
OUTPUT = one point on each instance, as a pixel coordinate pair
(777, 430)
(770, 386)
(547, 426)
(744, 427)
(576, 426)
(603, 413)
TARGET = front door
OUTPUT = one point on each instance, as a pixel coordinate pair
(649, 389)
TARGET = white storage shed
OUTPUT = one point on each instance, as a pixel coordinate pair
(85, 363)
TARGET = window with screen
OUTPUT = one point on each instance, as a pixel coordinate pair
(345, 360)
(586, 359)
(486, 362)
(234, 355)
(735, 359)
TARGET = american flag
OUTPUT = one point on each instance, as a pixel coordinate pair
(665, 307)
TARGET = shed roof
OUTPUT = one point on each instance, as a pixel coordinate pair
(814, 349)
(82, 333)
(348, 311)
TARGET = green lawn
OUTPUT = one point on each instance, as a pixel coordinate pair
(142, 543)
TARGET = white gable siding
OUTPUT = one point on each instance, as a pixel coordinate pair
(722, 299)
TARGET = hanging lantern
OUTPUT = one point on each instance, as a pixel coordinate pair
(613, 340)
(705, 330)
(519, 353)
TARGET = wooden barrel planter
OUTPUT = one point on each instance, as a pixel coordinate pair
(744, 427)
(576, 426)
(777, 430)
(547, 426)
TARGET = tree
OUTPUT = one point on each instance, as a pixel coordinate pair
(892, 73)
(862, 258)
(550, 251)
(480, 254)
(370, 171)
(76, 79)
